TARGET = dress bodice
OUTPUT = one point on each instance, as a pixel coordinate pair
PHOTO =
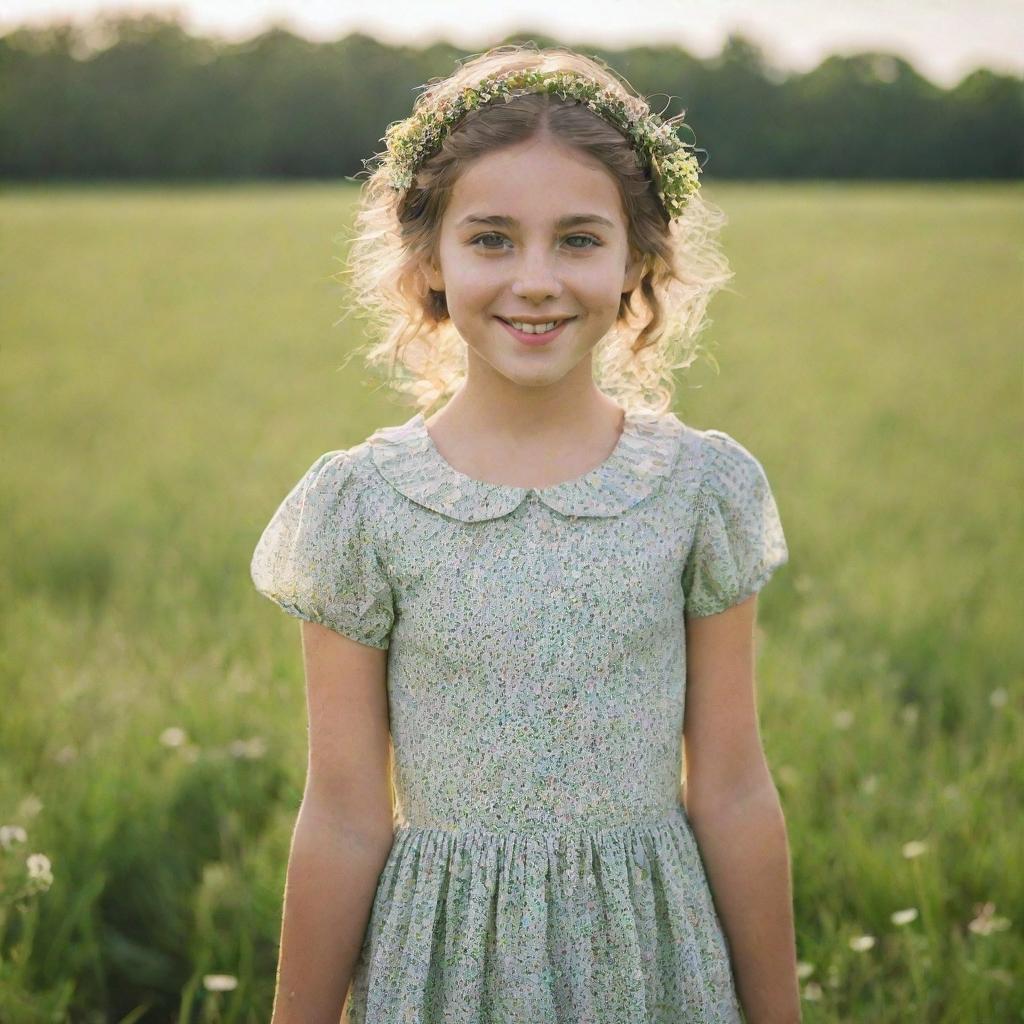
(536, 673)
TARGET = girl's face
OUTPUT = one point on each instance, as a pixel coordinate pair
(511, 247)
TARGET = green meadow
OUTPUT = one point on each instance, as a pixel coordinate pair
(174, 358)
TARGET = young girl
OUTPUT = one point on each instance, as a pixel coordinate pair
(506, 603)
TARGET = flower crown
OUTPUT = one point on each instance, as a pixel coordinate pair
(672, 163)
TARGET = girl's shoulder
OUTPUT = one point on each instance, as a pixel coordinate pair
(707, 458)
(333, 468)
(739, 535)
(727, 465)
(338, 476)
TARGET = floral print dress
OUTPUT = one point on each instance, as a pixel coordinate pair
(543, 867)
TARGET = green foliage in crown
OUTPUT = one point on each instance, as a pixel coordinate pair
(673, 166)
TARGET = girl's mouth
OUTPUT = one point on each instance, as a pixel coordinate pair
(535, 339)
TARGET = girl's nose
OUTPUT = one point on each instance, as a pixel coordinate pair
(535, 277)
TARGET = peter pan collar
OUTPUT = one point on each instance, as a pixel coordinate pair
(646, 450)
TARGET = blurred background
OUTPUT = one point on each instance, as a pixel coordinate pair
(175, 189)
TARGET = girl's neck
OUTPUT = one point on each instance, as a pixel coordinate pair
(527, 448)
(515, 420)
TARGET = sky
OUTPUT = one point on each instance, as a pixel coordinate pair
(942, 39)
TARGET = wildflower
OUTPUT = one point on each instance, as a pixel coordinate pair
(39, 872)
(914, 848)
(986, 922)
(904, 916)
(251, 749)
(11, 834)
(862, 943)
(998, 697)
(30, 806)
(173, 736)
(843, 719)
(812, 991)
(804, 969)
(219, 982)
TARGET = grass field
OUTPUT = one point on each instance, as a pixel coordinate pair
(170, 366)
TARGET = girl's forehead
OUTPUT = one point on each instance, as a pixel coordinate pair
(539, 159)
(534, 189)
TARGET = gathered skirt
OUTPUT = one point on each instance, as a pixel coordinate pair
(605, 926)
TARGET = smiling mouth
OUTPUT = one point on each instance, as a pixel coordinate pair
(536, 339)
(557, 323)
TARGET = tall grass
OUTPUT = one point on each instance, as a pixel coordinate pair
(171, 365)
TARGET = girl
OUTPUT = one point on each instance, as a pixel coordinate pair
(505, 603)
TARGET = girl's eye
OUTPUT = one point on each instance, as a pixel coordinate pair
(493, 234)
(487, 234)
(588, 238)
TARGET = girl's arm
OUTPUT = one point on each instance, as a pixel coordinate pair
(344, 830)
(737, 819)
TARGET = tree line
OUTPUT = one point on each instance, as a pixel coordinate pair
(139, 97)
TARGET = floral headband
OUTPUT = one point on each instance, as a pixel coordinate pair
(673, 164)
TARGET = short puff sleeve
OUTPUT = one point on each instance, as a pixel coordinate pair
(738, 540)
(316, 558)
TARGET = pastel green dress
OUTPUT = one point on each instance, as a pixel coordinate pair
(543, 867)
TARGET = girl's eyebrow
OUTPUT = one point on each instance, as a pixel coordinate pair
(497, 220)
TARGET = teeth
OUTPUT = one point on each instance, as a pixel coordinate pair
(535, 328)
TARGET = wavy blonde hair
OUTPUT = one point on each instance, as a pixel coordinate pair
(418, 348)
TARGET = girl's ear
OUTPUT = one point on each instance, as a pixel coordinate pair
(432, 276)
(634, 272)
